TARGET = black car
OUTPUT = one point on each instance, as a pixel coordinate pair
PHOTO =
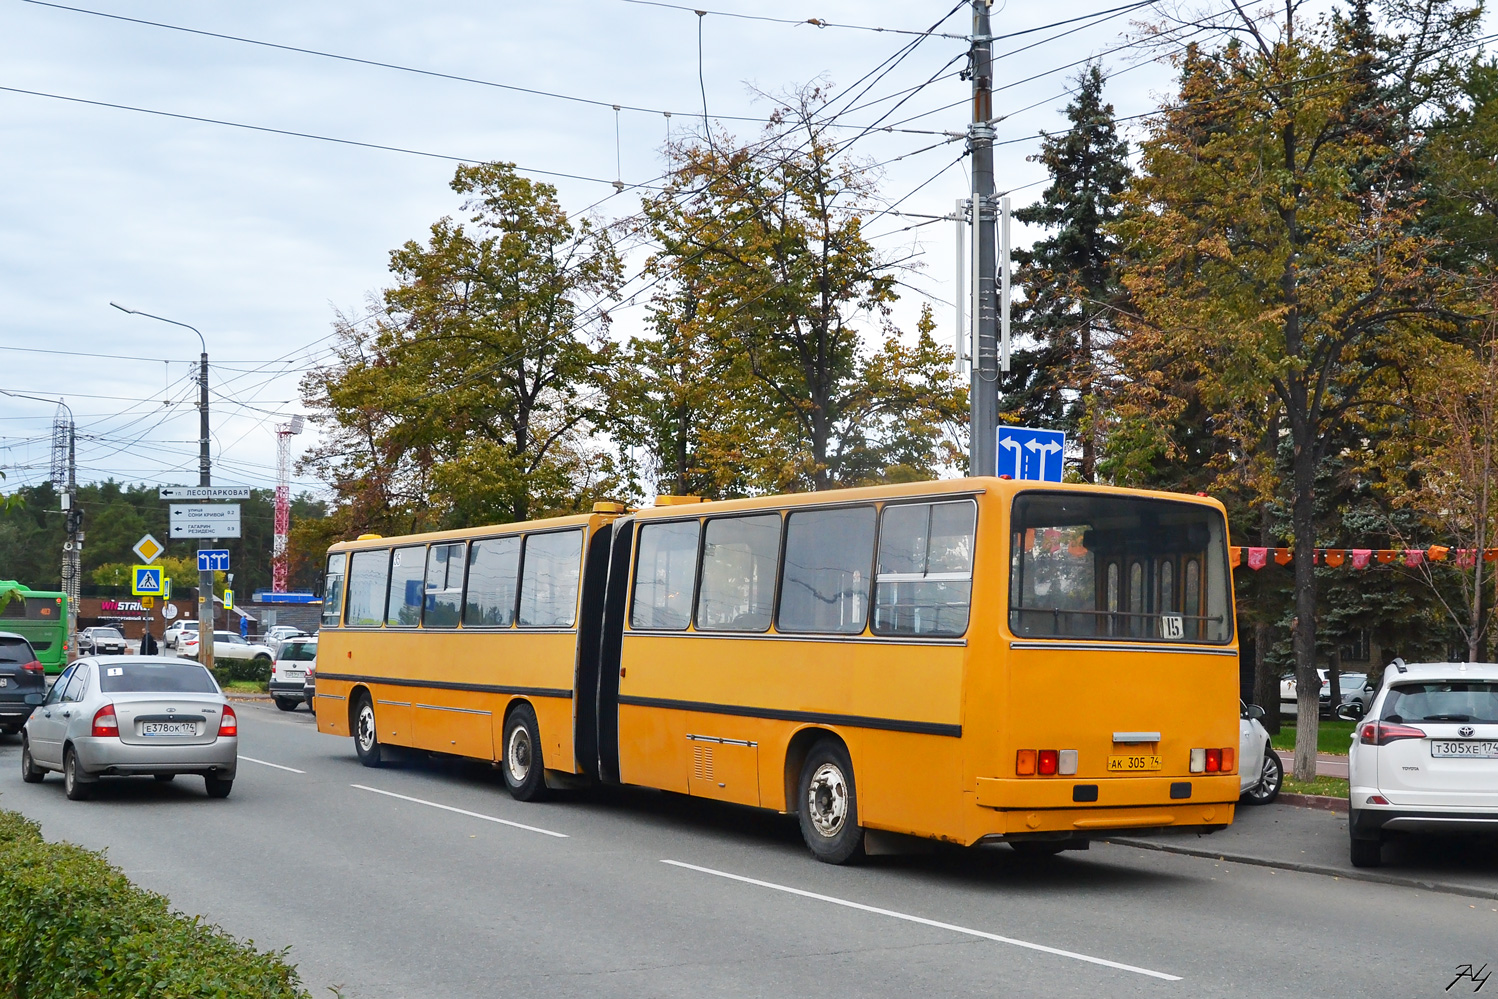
(23, 685)
(101, 641)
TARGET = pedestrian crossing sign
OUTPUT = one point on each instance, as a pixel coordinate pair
(146, 581)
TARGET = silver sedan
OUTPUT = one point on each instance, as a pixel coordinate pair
(132, 715)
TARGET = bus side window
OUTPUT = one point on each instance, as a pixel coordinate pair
(825, 585)
(332, 599)
(366, 588)
(493, 582)
(738, 573)
(444, 586)
(665, 575)
(549, 575)
(407, 569)
(924, 585)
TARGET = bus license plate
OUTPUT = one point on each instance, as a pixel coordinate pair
(168, 728)
(1472, 749)
(1133, 763)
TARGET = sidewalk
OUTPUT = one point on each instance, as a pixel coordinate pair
(1327, 765)
(1314, 841)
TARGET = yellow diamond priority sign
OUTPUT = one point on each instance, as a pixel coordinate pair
(145, 580)
(149, 549)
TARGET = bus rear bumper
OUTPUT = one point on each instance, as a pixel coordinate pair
(1093, 808)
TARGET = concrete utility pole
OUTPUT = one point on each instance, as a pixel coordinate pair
(984, 427)
(205, 467)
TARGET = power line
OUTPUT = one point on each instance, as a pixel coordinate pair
(303, 135)
(815, 22)
(380, 64)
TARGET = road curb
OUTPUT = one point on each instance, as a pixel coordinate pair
(245, 695)
(1322, 801)
(1354, 874)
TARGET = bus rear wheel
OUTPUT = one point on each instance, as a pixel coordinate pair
(524, 769)
(828, 805)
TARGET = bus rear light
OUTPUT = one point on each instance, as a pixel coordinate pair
(1046, 762)
(1228, 754)
(1024, 763)
(1067, 765)
(1198, 761)
(1214, 760)
(1382, 733)
(106, 725)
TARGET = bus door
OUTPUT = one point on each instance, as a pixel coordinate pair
(589, 651)
(611, 647)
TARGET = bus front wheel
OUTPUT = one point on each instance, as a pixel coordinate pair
(524, 770)
(366, 735)
(829, 805)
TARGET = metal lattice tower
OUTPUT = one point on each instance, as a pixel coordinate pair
(62, 431)
(284, 433)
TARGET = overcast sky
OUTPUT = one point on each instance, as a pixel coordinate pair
(256, 238)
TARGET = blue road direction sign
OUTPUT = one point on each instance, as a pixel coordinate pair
(147, 581)
(1029, 453)
(213, 560)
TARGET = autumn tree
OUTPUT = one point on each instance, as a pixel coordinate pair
(1067, 315)
(466, 398)
(1259, 246)
(793, 301)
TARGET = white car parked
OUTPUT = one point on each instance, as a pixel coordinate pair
(1425, 757)
(1260, 772)
(226, 645)
(174, 632)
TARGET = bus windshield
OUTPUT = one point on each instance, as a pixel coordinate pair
(1117, 567)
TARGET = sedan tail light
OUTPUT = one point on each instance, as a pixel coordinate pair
(1382, 733)
(106, 725)
(35, 666)
(228, 723)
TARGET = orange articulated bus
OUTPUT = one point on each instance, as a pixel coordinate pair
(964, 660)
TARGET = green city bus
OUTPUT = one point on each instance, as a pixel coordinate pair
(39, 615)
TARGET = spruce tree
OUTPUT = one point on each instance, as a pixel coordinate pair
(1070, 278)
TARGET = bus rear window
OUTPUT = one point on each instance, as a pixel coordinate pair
(1118, 568)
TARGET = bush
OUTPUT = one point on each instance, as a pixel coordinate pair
(72, 925)
(238, 670)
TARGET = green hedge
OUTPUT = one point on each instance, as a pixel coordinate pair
(255, 670)
(72, 926)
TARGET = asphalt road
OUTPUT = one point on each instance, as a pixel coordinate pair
(427, 880)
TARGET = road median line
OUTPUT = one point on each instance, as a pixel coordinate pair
(1355, 874)
(463, 811)
(923, 921)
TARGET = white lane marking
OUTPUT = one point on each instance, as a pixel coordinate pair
(464, 811)
(267, 763)
(928, 922)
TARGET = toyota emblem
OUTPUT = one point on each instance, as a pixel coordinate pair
(1466, 731)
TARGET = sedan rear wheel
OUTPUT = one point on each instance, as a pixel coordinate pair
(77, 789)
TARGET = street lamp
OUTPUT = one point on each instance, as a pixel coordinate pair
(205, 576)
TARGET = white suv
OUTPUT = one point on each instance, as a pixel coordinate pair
(1425, 757)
